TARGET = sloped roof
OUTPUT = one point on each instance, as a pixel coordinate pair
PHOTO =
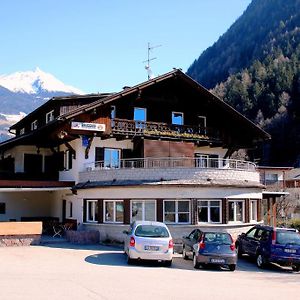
(175, 73)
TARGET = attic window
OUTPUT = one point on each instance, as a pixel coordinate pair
(49, 116)
(34, 125)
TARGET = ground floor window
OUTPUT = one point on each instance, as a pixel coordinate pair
(113, 211)
(253, 210)
(143, 210)
(177, 211)
(2, 208)
(92, 210)
(236, 210)
(209, 211)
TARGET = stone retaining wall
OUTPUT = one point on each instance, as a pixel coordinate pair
(20, 240)
(83, 237)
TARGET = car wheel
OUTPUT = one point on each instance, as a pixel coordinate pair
(129, 260)
(184, 254)
(232, 267)
(296, 268)
(260, 261)
(168, 263)
(195, 263)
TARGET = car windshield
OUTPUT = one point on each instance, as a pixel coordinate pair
(287, 237)
(218, 238)
(151, 231)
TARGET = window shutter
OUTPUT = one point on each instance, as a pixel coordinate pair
(99, 154)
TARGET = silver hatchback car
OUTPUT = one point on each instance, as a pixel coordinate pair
(150, 241)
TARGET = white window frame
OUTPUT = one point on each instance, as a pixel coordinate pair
(22, 130)
(114, 211)
(253, 205)
(34, 125)
(179, 113)
(94, 204)
(143, 208)
(234, 212)
(176, 211)
(208, 210)
(49, 116)
(110, 158)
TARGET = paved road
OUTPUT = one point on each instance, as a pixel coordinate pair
(98, 272)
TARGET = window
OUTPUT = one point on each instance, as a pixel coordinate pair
(113, 112)
(253, 210)
(140, 114)
(176, 211)
(251, 233)
(2, 208)
(92, 210)
(177, 118)
(113, 211)
(49, 116)
(140, 117)
(236, 211)
(206, 160)
(22, 131)
(209, 211)
(143, 210)
(112, 158)
(271, 178)
(34, 125)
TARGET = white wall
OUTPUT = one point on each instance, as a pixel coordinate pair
(26, 204)
(80, 163)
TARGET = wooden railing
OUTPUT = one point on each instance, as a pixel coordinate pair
(136, 128)
(171, 162)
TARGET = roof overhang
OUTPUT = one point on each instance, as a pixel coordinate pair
(267, 194)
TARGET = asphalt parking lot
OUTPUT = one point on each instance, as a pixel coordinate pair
(65, 271)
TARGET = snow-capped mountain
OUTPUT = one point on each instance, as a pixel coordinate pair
(22, 92)
(35, 82)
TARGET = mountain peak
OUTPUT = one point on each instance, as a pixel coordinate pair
(35, 82)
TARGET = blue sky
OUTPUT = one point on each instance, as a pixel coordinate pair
(99, 45)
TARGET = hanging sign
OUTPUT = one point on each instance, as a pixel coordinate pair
(88, 126)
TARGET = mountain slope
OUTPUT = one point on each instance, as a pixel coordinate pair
(266, 85)
(243, 42)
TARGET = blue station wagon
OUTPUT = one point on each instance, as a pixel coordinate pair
(271, 245)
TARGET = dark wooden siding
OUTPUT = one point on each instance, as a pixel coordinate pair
(159, 210)
(225, 216)
(100, 211)
(127, 211)
(153, 148)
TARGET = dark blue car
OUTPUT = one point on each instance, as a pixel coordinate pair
(271, 245)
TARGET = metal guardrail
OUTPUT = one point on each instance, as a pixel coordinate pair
(171, 162)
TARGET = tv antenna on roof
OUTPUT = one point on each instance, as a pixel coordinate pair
(147, 67)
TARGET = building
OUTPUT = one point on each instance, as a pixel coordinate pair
(160, 150)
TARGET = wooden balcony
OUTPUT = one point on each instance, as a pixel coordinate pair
(163, 130)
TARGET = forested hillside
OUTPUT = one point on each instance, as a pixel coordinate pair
(255, 67)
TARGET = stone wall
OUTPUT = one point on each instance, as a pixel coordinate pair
(19, 240)
(169, 174)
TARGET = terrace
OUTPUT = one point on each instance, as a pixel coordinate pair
(170, 168)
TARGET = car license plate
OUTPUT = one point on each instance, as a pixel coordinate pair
(290, 250)
(217, 260)
(151, 248)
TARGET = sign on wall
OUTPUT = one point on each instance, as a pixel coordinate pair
(88, 126)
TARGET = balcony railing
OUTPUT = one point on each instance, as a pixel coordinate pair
(154, 129)
(170, 162)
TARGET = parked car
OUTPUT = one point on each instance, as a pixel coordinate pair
(147, 240)
(206, 248)
(268, 244)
